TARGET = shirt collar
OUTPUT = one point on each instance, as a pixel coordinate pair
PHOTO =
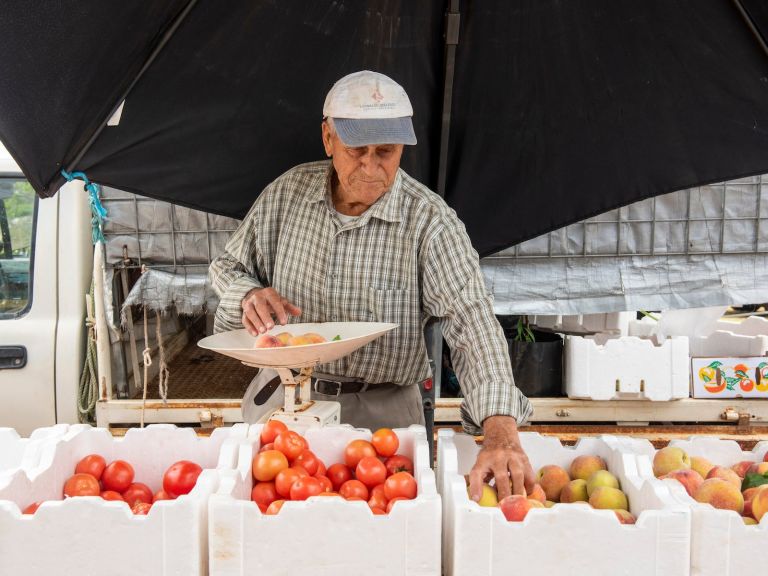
(387, 208)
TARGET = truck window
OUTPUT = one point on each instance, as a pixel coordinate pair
(17, 223)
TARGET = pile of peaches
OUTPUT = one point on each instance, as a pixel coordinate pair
(742, 488)
(587, 482)
(287, 339)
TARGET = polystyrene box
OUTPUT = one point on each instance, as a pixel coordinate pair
(615, 323)
(17, 452)
(721, 344)
(721, 544)
(750, 326)
(327, 536)
(89, 535)
(567, 539)
(626, 368)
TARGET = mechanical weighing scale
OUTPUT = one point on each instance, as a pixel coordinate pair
(299, 410)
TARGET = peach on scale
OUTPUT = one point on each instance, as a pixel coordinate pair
(267, 341)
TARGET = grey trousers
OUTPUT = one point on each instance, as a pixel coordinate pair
(385, 406)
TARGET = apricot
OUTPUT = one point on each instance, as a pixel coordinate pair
(668, 459)
(607, 498)
(584, 466)
(267, 341)
(601, 478)
(553, 479)
(701, 465)
(720, 494)
(690, 479)
(725, 474)
(575, 491)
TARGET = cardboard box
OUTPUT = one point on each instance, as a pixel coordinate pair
(726, 377)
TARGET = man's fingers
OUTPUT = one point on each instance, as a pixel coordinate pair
(250, 313)
(476, 479)
(264, 311)
(248, 325)
(518, 481)
(290, 308)
(502, 484)
(530, 477)
(275, 302)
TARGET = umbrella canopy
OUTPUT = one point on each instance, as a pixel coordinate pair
(561, 110)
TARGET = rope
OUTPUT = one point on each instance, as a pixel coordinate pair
(98, 213)
(88, 389)
(163, 374)
(146, 353)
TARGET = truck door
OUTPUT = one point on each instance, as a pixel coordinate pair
(28, 303)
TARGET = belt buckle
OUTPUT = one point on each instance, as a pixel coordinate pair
(338, 386)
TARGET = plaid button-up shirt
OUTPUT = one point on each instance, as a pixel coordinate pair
(405, 259)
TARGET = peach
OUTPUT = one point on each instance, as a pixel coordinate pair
(720, 494)
(624, 516)
(701, 465)
(575, 491)
(668, 459)
(765, 457)
(747, 509)
(284, 337)
(607, 498)
(725, 474)
(601, 478)
(537, 493)
(758, 468)
(548, 504)
(749, 493)
(741, 468)
(307, 338)
(488, 496)
(690, 479)
(583, 467)
(760, 505)
(515, 508)
(267, 341)
(749, 521)
(553, 479)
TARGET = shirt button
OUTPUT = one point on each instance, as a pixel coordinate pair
(333, 318)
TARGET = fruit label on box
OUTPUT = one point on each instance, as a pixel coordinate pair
(730, 377)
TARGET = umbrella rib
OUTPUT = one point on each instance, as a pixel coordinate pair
(751, 24)
(155, 52)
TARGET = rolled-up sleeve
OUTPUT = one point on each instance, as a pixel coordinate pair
(237, 271)
(455, 292)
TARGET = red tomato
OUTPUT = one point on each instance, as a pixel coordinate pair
(285, 479)
(391, 503)
(138, 492)
(32, 508)
(82, 485)
(117, 476)
(356, 451)
(267, 464)
(141, 508)
(264, 494)
(305, 487)
(398, 463)
(385, 442)
(270, 431)
(274, 508)
(308, 461)
(338, 474)
(265, 447)
(329, 494)
(327, 484)
(400, 484)
(378, 511)
(92, 464)
(321, 470)
(377, 499)
(290, 444)
(161, 495)
(180, 478)
(371, 471)
(112, 495)
(354, 488)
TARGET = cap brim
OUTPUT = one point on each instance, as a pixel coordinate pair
(366, 132)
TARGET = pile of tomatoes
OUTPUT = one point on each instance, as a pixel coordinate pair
(286, 469)
(114, 481)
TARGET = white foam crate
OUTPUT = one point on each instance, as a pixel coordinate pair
(728, 344)
(615, 323)
(750, 326)
(88, 535)
(327, 536)
(567, 539)
(17, 452)
(626, 368)
(721, 544)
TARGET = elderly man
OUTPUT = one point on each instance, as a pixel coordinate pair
(357, 239)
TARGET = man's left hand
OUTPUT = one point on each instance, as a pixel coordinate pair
(501, 457)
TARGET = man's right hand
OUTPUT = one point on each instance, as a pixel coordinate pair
(260, 305)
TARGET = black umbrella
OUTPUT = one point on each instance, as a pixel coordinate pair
(561, 110)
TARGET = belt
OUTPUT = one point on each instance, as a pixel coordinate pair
(335, 387)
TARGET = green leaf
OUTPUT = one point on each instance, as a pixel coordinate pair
(336, 338)
(753, 480)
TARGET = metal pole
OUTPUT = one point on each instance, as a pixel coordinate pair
(452, 21)
(103, 356)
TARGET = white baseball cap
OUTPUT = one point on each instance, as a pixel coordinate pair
(370, 108)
